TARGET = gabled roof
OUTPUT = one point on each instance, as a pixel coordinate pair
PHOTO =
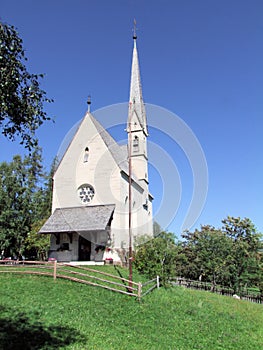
(79, 219)
(118, 152)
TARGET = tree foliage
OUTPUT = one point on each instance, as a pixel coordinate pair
(24, 203)
(245, 260)
(156, 256)
(206, 253)
(37, 245)
(229, 256)
(21, 98)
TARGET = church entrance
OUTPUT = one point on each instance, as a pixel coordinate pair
(84, 249)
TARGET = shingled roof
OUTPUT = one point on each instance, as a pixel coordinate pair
(79, 219)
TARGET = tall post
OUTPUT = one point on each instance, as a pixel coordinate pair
(130, 196)
(158, 281)
(139, 291)
(55, 270)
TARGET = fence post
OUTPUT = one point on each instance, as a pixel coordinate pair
(55, 270)
(139, 291)
(158, 281)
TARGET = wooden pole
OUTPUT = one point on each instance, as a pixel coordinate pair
(139, 291)
(55, 270)
(130, 196)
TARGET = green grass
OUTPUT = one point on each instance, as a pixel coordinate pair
(38, 313)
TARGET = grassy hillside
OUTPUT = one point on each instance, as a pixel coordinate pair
(38, 313)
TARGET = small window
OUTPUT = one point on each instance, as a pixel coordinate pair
(86, 155)
(65, 246)
(136, 144)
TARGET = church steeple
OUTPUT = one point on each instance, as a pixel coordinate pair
(136, 100)
(137, 124)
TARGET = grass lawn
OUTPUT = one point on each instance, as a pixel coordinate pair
(38, 313)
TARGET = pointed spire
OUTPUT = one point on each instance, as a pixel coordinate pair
(136, 99)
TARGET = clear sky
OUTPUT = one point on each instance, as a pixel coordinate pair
(201, 60)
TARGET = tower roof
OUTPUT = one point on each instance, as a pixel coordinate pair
(136, 100)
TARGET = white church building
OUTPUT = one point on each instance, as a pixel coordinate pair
(97, 183)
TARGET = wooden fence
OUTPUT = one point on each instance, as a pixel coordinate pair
(82, 275)
(245, 294)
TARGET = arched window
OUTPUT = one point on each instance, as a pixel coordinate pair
(86, 155)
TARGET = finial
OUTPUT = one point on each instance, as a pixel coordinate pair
(134, 29)
(89, 103)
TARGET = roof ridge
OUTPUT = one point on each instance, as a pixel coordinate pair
(86, 206)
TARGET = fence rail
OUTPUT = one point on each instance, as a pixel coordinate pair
(255, 297)
(80, 274)
(155, 283)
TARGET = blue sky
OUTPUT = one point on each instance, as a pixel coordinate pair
(201, 60)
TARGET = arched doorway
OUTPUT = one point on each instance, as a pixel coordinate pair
(84, 249)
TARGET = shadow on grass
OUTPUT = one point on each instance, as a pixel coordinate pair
(121, 276)
(18, 331)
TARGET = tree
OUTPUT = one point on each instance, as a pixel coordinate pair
(156, 256)
(46, 198)
(207, 254)
(21, 98)
(245, 258)
(36, 244)
(15, 207)
(229, 256)
(22, 202)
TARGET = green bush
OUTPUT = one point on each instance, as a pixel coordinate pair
(156, 256)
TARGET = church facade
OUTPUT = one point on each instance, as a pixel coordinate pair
(98, 183)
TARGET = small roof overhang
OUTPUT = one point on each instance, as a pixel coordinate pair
(79, 219)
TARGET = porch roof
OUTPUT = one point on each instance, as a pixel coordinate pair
(79, 219)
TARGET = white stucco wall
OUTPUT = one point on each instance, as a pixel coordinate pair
(73, 171)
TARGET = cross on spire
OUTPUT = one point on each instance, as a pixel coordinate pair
(134, 29)
(89, 103)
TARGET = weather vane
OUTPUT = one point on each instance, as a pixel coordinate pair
(89, 103)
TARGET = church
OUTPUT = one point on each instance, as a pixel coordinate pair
(101, 199)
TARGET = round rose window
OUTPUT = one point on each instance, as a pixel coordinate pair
(86, 193)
